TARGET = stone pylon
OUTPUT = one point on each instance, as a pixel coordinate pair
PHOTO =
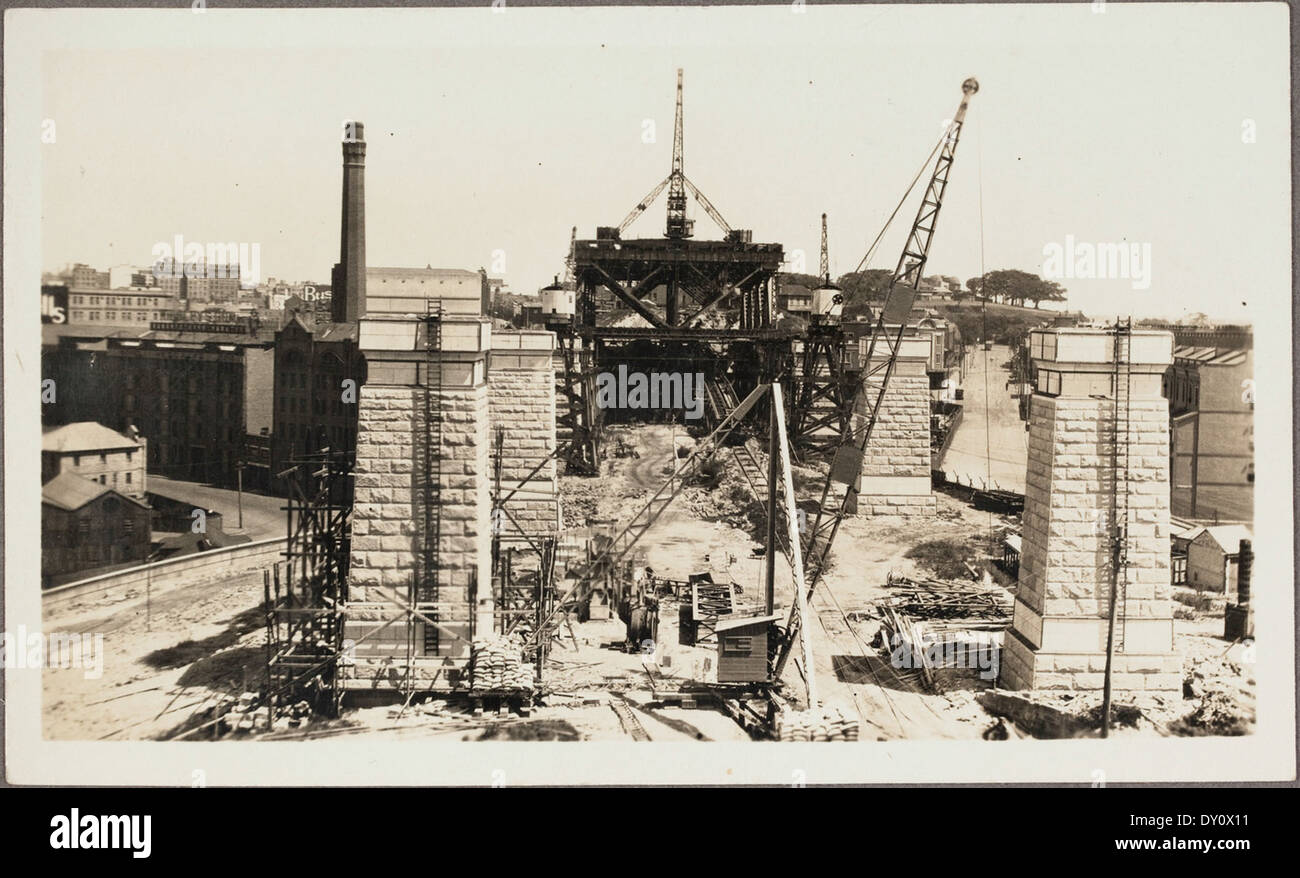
(895, 477)
(389, 520)
(1074, 506)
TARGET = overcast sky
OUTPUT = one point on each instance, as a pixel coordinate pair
(498, 132)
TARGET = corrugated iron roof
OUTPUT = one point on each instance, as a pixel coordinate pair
(1228, 536)
(84, 436)
(70, 491)
(1210, 356)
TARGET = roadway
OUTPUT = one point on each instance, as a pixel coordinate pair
(991, 444)
(263, 515)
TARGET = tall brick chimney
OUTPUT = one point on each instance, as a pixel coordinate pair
(349, 296)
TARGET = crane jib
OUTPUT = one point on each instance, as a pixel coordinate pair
(891, 323)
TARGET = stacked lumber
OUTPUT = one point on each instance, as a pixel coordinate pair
(826, 723)
(495, 665)
(956, 601)
(907, 641)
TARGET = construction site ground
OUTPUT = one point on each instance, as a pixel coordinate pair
(168, 655)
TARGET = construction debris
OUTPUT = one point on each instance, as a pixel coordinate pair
(958, 603)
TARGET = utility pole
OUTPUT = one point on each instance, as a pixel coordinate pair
(239, 474)
(773, 474)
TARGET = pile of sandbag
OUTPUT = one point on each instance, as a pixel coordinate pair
(827, 723)
(495, 664)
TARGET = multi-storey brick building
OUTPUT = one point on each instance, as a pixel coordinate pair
(132, 307)
(86, 525)
(96, 453)
(196, 396)
(313, 407)
(1212, 414)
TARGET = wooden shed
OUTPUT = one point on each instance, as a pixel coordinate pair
(1212, 557)
(742, 648)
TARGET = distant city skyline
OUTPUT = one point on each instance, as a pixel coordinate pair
(487, 143)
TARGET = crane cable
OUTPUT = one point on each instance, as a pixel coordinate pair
(984, 308)
(872, 249)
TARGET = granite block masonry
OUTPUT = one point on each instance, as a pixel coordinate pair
(388, 519)
(895, 476)
(1059, 630)
(521, 404)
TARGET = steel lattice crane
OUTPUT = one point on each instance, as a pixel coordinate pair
(824, 267)
(571, 258)
(890, 325)
(678, 226)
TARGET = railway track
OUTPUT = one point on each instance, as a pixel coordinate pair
(627, 718)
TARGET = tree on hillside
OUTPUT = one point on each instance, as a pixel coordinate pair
(1014, 287)
(863, 287)
(1051, 291)
(975, 285)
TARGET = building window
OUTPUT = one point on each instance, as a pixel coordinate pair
(1042, 345)
(736, 645)
(128, 478)
(1049, 382)
(103, 458)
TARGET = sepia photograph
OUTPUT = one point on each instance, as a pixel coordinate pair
(833, 393)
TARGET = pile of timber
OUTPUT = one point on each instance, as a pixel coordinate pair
(827, 723)
(955, 603)
(927, 625)
(908, 643)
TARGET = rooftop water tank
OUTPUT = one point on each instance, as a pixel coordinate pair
(828, 302)
(557, 301)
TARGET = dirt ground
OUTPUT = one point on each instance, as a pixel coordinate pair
(168, 655)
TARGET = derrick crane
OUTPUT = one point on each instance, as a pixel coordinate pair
(888, 330)
(677, 184)
(569, 260)
(678, 225)
(824, 267)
